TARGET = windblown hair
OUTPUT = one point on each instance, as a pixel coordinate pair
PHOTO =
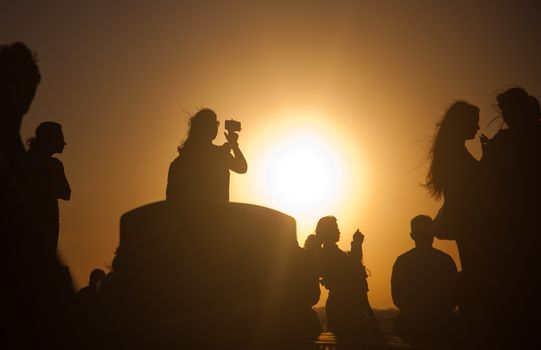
(196, 127)
(446, 129)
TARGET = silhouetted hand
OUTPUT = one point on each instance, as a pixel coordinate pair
(231, 137)
(358, 236)
(484, 142)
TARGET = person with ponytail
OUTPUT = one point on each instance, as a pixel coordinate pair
(349, 314)
(47, 176)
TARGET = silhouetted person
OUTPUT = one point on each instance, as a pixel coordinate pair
(511, 207)
(201, 171)
(424, 288)
(88, 295)
(349, 315)
(47, 175)
(454, 174)
(37, 298)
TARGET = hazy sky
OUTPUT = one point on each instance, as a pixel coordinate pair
(365, 83)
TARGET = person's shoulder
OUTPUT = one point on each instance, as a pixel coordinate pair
(502, 136)
(56, 163)
(221, 149)
(442, 255)
(176, 160)
(406, 256)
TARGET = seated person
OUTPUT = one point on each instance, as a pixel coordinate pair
(423, 287)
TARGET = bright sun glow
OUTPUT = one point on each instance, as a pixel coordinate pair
(302, 174)
(306, 166)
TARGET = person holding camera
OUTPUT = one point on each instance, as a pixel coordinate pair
(201, 170)
(349, 314)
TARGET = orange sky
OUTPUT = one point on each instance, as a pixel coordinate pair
(371, 80)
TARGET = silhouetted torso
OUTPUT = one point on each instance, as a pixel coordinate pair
(511, 170)
(349, 315)
(512, 207)
(341, 275)
(460, 192)
(424, 289)
(200, 174)
(49, 182)
(423, 282)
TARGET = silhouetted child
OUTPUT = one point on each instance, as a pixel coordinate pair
(201, 170)
(349, 315)
(424, 288)
(47, 175)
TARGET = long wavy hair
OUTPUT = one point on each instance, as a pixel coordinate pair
(447, 130)
(198, 127)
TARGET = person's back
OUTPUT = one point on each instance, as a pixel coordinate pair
(199, 174)
(422, 282)
(423, 285)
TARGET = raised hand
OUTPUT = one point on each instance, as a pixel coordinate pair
(231, 137)
(358, 236)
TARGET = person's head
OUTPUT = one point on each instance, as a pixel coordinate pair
(202, 128)
(327, 231)
(49, 138)
(96, 276)
(422, 231)
(516, 108)
(459, 123)
(19, 78)
(312, 242)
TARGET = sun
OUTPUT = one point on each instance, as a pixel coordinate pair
(302, 174)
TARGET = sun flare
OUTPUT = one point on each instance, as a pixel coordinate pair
(301, 174)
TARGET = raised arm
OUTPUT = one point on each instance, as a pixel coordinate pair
(357, 247)
(237, 162)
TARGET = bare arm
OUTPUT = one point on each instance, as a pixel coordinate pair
(237, 162)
